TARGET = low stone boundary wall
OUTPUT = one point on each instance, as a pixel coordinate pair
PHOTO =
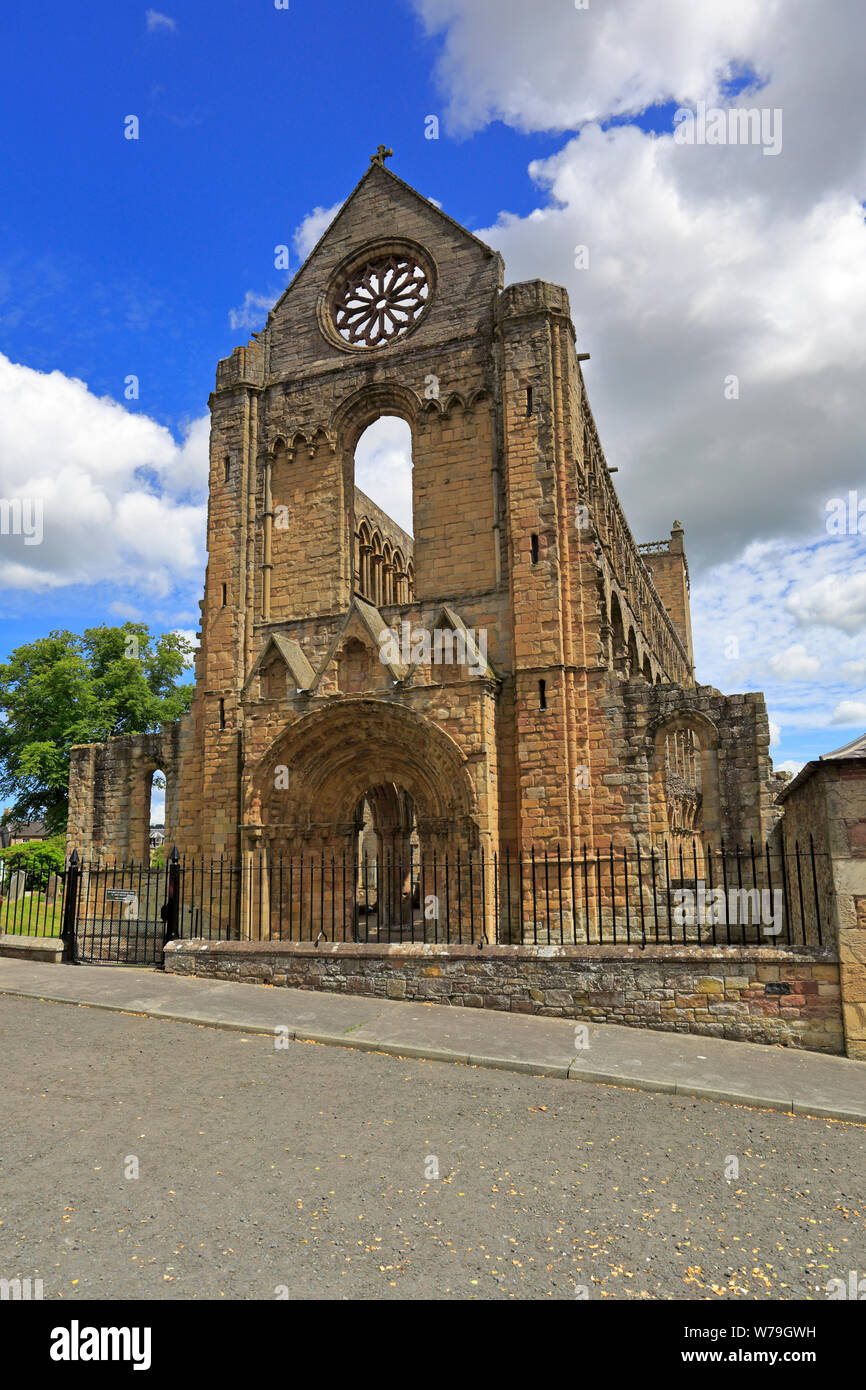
(759, 994)
(50, 950)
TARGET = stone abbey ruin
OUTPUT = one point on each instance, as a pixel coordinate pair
(483, 735)
(584, 725)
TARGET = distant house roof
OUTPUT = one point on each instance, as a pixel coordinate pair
(21, 830)
(849, 751)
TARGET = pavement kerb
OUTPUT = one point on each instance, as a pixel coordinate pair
(434, 1054)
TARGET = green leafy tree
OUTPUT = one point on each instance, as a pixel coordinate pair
(65, 689)
(38, 859)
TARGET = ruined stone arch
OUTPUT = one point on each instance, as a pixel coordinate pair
(454, 402)
(363, 553)
(376, 568)
(370, 403)
(618, 647)
(387, 573)
(400, 577)
(633, 658)
(684, 776)
(332, 758)
(378, 581)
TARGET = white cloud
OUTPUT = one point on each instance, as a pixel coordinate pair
(122, 501)
(795, 663)
(251, 315)
(748, 638)
(835, 600)
(550, 66)
(156, 21)
(254, 310)
(704, 262)
(383, 468)
(312, 227)
(127, 612)
(790, 765)
(850, 712)
(191, 636)
(775, 733)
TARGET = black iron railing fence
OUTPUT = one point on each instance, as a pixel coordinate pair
(686, 894)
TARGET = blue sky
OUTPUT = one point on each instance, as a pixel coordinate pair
(121, 257)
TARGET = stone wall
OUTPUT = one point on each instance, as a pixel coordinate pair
(110, 792)
(826, 805)
(765, 995)
(518, 532)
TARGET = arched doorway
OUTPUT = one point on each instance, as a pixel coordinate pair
(363, 777)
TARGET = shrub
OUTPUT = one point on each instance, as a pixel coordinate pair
(38, 859)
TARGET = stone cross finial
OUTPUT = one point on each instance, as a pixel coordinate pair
(381, 155)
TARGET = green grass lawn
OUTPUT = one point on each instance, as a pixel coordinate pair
(32, 915)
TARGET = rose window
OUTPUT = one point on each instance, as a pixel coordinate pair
(380, 301)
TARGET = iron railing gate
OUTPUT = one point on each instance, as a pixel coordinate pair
(702, 896)
(120, 914)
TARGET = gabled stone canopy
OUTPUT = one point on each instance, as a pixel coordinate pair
(365, 623)
(289, 651)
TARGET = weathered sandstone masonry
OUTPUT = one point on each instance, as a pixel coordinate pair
(584, 726)
(827, 800)
(763, 995)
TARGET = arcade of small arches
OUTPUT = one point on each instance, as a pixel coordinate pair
(626, 562)
(624, 653)
(383, 574)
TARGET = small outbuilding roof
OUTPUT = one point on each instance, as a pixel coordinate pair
(849, 751)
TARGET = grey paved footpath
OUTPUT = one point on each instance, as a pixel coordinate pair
(806, 1083)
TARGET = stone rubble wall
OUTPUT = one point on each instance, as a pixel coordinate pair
(716, 992)
(827, 806)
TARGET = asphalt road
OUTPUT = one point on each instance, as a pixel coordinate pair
(312, 1170)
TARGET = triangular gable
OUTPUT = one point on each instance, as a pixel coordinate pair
(362, 620)
(289, 650)
(377, 171)
(476, 665)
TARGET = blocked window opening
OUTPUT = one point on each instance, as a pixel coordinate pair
(383, 541)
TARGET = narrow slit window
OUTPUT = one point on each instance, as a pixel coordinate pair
(227, 466)
(225, 594)
(222, 713)
(534, 549)
(529, 400)
(542, 695)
